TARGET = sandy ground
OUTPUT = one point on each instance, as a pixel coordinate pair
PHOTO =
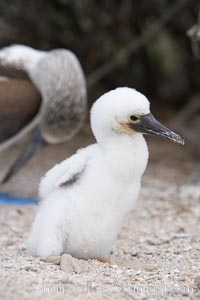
(158, 247)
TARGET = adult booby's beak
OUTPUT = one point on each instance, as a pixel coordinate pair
(147, 124)
(31, 148)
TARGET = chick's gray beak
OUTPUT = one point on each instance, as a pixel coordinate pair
(149, 125)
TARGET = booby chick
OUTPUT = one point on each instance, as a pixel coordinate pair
(59, 78)
(85, 197)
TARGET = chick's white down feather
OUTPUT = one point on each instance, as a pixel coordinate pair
(85, 197)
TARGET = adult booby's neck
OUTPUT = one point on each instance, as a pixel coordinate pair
(126, 155)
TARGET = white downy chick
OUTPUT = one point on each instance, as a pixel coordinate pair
(85, 197)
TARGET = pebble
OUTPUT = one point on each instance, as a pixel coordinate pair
(70, 264)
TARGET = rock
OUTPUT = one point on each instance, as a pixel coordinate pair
(70, 264)
(54, 259)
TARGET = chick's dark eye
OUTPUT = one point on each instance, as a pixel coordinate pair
(134, 118)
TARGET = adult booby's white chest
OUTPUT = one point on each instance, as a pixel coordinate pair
(85, 198)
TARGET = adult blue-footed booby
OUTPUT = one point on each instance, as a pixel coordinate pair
(58, 76)
(85, 197)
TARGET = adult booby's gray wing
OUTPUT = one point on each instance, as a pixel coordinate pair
(11, 71)
(60, 80)
(20, 102)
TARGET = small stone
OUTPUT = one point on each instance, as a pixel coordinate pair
(114, 266)
(119, 271)
(70, 264)
(176, 271)
(53, 259)
(129, 272)
(179, 257)
(187, 248)
(28, 268)
(197, 282)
